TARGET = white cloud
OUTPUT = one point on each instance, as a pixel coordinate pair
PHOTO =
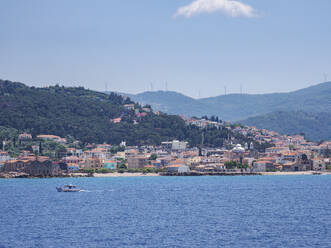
(232, 8)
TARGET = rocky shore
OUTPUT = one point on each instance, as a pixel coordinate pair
(192, 173)
(8, 175)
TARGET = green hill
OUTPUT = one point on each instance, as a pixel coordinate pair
(315, 126)
(172, 102)
(86, 115)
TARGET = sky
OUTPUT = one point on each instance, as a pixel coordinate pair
(196, 47)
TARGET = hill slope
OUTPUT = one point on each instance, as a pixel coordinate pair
(316, 126)
(235, 107)
(86, 115)
(172, 102)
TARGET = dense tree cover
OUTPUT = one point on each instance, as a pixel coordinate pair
(14, 145)
(152, 157)
(85, 115)
(234, 164)
(315, 126)
(153, 129)
(7, 133)
(57, 110)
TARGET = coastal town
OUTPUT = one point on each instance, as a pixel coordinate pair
(284, 154)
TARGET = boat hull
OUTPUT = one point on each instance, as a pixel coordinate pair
(67, 190)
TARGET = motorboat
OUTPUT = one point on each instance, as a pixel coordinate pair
(68, 188)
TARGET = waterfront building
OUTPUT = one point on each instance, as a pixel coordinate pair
(290, 166)
(42, 169)
(156, 163)
(288, 157)
(73, 167)
(178, 168)
(319, 164)
(263, 165)
(36, 166)
(4, 157)
(15, 165)
(110, 164)
(92, 163)
(138, 161)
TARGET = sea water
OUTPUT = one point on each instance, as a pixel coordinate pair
(250, 211)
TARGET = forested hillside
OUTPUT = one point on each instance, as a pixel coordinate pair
(85, 115)
(172, 103)
(315, 126)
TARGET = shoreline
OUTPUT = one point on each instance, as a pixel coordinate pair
(293, 173)
(278, 173)
(126, 174)
(140, 174)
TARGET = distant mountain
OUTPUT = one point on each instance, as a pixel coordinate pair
(172, 102)
(234, 107)
(315, 126)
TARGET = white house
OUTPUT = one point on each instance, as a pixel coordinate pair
(178, 145)
(178, 168)
(4, 157)
(318, 164)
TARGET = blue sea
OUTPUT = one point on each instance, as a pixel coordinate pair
(250, 211)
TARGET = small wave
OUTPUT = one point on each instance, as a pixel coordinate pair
(98, 190)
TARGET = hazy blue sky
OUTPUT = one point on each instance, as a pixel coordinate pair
(194, 45)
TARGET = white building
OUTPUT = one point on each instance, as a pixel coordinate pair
(319, 164)
(4, 157)
(178, 145)
(178, 168)
(238, 149)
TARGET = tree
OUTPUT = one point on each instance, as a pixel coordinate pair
(122, 166)
(242, 166)
(153, 157)
(230, 164)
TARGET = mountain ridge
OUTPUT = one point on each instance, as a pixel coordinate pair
(234, 107)
(315, 126)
